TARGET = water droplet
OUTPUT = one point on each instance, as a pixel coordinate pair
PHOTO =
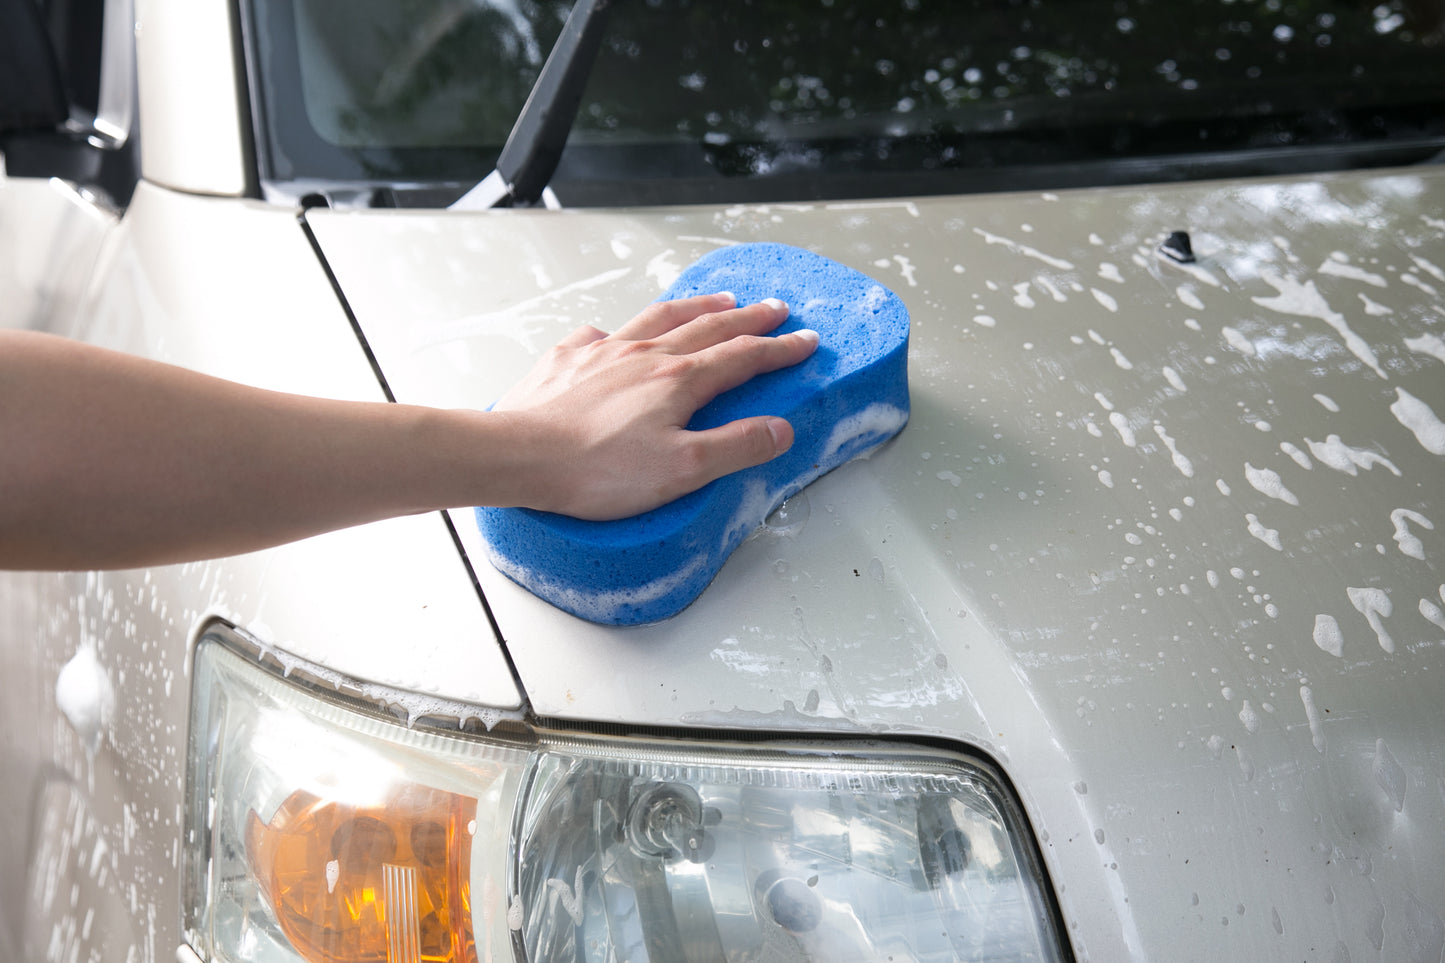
(790, 517)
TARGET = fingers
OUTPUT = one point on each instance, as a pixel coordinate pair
(659, 318)
(708, 330)
(737, 445)
(727, 365)
(586, 334)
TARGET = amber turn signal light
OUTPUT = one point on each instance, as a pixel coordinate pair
(381, 883)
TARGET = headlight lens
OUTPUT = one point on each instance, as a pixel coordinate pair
(324, 833)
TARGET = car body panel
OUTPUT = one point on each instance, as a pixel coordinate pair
(1163, 539)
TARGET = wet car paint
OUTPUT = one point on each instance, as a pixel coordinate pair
(1161, 538)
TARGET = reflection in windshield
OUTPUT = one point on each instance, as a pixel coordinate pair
(428, 89)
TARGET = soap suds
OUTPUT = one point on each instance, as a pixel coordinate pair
(1328, 402)
(1433, 612)
(1181, 462)
(1266, 481)
(1305, 300)
(1409, 543)
(1300, 458)
(1375, 606)
(1270, 536)
(1312, 715)
(1238, 341)
(1105, 299)
(1121, 425)
(877, 421)
(1337, 267)
(1024, 249)
(1430, 344)
(1172, 376)
(1417, 416)
(85, 697)
(1341, 457)
(1186, 294)
(1328, 636)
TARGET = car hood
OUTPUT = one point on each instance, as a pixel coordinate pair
(1166, 540)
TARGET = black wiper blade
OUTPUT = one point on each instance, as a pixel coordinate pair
(535, 144)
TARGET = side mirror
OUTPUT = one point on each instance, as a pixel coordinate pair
(47, 128)
(32, 92)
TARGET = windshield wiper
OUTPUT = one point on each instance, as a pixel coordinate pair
(535, 144)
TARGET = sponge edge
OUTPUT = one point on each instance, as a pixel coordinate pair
(848, 398)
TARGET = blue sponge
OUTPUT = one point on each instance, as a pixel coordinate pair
(848, 398)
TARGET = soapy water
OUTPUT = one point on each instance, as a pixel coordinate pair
(1417, 416)
(1375, 606)
(1266, 481)
(1409, 543)
(84, 695)
(1305, 300)
(1327, 635)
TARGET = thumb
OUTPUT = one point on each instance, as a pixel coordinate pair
(740, 444)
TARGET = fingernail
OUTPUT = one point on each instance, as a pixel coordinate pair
(807, 334)
(778, 428)
(775, 304)
(727, 296)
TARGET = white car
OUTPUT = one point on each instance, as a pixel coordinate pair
(1128, 647)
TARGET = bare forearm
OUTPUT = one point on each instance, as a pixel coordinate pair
(108, 460)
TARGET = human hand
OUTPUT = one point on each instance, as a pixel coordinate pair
(606, 416)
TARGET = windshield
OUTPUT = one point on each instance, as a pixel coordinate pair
(699, 100)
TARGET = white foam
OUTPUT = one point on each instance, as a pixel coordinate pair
(879, 419)
(1186, 294)
(1120, 360)
(1431, 269)
(598, 606)
(1408, 542)
(1337, 267)
(1327, 635)
(1421, 420)
(1121, 425)
(1024, 249)
(1181, 462)
(1432, 613)
(1371, 308)
(1238, 341)
(1249, 717)
(1430, 344)
(1305, 300)
(1328, 402)
(1300, 458)
(1341, 457)
(1109, 272)
(1266, 481)
(1374, 605)
(1270, 536)
(85, 697)
(1172, 376)
(1312, 715)
(1105, 299)
(1021, 295)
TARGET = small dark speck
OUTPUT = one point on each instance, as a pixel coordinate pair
(856, 575)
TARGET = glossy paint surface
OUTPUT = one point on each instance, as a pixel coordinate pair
(1166, 540)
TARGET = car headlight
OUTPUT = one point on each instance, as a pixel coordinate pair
(322, 831)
